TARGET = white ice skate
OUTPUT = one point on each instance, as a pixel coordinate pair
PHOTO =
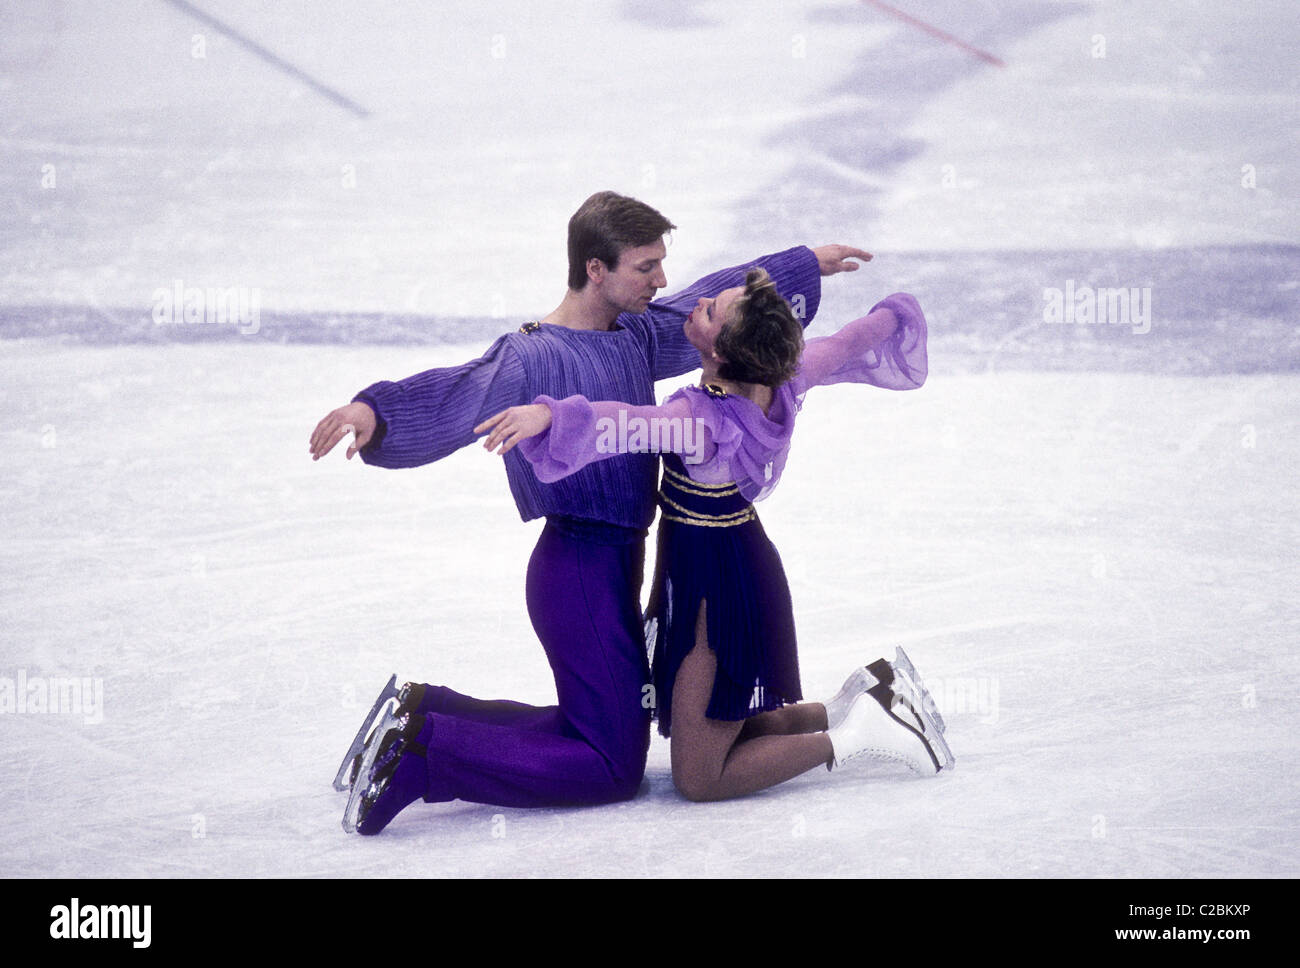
(888, 724)
(838, 706)
(863, 678)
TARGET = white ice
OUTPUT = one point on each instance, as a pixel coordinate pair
(1095, 571)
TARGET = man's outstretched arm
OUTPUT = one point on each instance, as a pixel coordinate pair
(426, 416)
(796, 272)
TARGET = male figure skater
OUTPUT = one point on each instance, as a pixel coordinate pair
(607, 340)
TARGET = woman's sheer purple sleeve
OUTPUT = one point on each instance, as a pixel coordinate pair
(877, 350)
(582, 432)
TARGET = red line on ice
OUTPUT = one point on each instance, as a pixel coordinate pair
(936, 32)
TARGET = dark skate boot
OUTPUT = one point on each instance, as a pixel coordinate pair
(397, 782)
(408, 700)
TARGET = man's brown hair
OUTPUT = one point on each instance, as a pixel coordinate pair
(606, 224)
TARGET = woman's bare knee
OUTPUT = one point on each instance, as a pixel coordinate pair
(699, 757)
(697, 787)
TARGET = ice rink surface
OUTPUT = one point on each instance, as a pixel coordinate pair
(1087, 540)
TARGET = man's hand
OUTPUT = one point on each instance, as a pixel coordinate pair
(514, 424)
(834, 258)
(355, 417)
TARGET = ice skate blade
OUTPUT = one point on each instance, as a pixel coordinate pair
(902, 664)
(907, 705)
(356, 760)
(352, 812)
(342, 778)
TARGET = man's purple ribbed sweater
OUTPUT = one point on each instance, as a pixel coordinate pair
(427, 416)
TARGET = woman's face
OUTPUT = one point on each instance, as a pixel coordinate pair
(707, 319)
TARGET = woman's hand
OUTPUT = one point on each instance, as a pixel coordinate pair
(355, 418)
(513, 425)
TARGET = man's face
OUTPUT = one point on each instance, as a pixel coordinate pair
(640, 274)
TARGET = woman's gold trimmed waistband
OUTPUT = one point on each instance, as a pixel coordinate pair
(695, 487)
(704, 520)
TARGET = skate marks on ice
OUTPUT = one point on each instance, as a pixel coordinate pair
(971, 157)
(111, 803)
(847, 158)
(986, 311)
(936, 32)
(992, 312)
(1158, 611)
(270, 57)
(1157, 586)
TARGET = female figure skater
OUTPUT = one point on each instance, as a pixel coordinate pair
(725, 667)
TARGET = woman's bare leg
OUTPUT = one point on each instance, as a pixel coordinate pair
(803, 717)
(710, 761)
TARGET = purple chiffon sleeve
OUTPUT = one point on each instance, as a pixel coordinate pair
(871, 350)
(583, 432)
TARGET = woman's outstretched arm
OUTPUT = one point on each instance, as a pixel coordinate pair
(559, 437)
(885, 348)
